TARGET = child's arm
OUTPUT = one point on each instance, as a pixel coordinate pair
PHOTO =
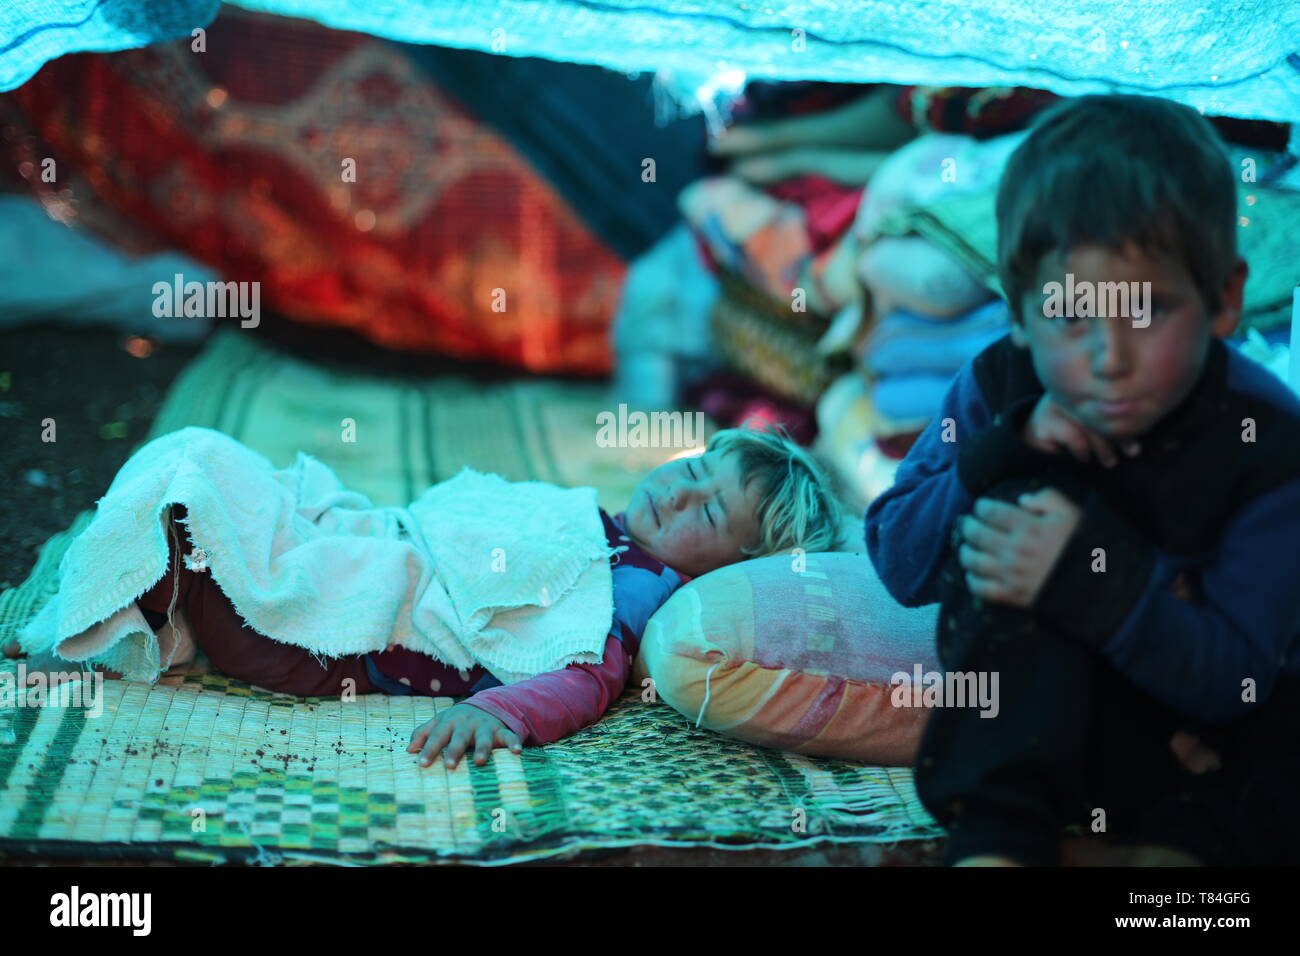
(1192, 654)
(540, 710)
(551, 706)
(909, 526)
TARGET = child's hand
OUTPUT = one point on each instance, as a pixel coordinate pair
(456, 729)
(1194, 755)
(1052, 430)
(1008, 551)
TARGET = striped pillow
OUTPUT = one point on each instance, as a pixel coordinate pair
(793, 657)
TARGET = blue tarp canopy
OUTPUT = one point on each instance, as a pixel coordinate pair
(1237, 58)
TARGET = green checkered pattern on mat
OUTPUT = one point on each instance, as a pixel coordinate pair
(202, 766)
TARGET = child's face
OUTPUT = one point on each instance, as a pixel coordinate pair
(1117, 377)
(693, 515)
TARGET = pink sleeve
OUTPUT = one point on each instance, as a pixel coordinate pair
(551, 706)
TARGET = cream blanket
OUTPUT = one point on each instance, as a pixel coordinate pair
(513, 576)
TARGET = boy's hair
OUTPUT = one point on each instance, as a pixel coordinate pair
(798, 508)
(1110, 168)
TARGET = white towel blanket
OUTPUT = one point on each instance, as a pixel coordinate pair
(513, 576)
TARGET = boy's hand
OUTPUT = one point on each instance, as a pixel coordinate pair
(1008, 550)
(458, 728)
(1193, 754)
(1051, 429)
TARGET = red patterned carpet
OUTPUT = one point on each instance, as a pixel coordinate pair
(241, 155)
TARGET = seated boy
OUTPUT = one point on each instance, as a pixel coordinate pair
(1108, 506)
(751, 493)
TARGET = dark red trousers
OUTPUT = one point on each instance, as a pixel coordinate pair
(238, 651)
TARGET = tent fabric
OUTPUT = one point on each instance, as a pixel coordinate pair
(33, 32)
(1237, 59)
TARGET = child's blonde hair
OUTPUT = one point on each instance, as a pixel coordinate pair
(798, 508)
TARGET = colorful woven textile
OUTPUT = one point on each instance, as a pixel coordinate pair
(783, 247)
(769, 343)
(201, 767)
(974, 111)
(329, 168)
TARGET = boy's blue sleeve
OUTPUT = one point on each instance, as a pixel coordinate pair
(1192, 654)
(962, 452)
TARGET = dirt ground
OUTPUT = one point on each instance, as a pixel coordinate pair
(102, 400)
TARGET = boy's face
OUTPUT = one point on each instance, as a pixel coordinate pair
(1117, 377)
(693, 515)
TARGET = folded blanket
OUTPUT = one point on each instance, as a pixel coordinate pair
(513, 576)
(908, 398)
(904, 343)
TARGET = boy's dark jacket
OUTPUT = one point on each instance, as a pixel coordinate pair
(1200, 598)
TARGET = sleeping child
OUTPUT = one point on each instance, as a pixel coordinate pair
(751, 493)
